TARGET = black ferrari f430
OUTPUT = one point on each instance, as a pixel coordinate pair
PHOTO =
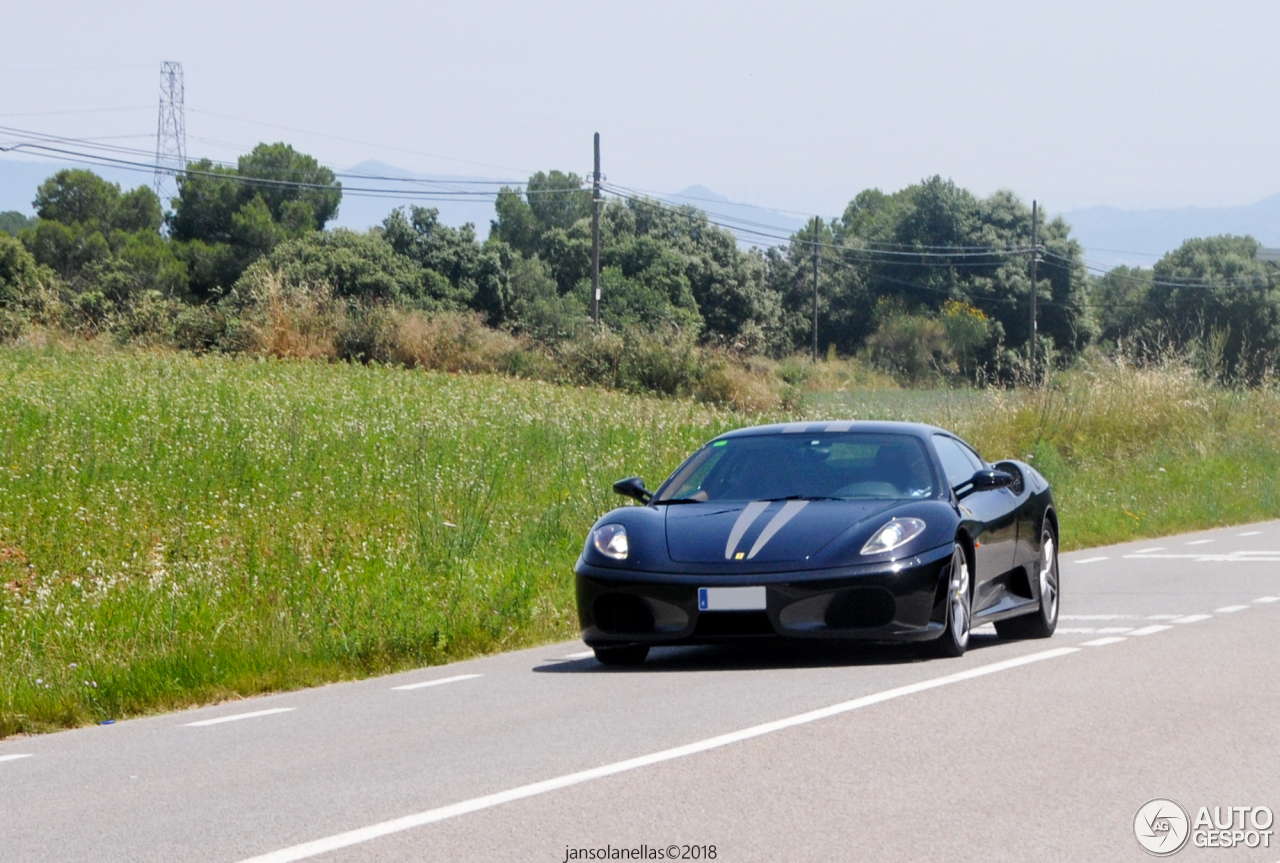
(871, 531)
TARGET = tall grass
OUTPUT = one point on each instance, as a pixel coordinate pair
(177, 529)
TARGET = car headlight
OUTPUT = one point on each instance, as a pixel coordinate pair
(896, 533)
(611, 541)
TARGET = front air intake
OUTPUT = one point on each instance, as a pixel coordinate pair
(860, 608)
(622, 614)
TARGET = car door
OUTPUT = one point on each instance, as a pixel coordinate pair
(994, 509)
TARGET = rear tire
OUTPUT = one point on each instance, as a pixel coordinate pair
(1042, 622)
(955, 638)
(623, 655)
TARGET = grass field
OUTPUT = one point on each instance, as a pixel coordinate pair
(175, 530)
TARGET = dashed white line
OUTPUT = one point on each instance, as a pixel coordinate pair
(1199, 542)
(14, 757)
(1193, 618)
(1249, 533)
(236, 717)
(583, 655)
(437, 682)
(1149, 550)
(1103, 642)
(1091, 559)
(1268, 599)
(1090, 630)
(1118, 616)
(1100, 617)
(1231, 557)
(1228, 609)
(317, 847)
(1150, 630)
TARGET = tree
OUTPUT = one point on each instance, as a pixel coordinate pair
(27, 290)
(551, 200)
(12, 222)
(77, 197)
(98, 239)
(458, 273)
(1120, 299)
(357, 266)
(934, 242)
(81, 197)
(226, 218)
(1214, 293)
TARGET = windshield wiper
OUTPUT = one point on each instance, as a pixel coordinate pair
(678, 500)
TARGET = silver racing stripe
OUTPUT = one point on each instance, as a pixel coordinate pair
(745, 519)
(789, 511)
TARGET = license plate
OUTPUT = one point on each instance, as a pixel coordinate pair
(731, 599)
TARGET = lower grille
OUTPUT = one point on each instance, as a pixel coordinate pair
(716, 624)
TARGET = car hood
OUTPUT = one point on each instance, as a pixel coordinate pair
(783, 531)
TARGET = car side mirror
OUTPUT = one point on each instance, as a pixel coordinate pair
(633, 486)
(983, 480)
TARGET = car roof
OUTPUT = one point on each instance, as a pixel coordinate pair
(829, 426)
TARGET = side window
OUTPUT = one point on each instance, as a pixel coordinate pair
(956, 463)
(978, 463)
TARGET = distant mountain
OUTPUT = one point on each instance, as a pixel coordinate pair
(754, 226)
(1113, 236)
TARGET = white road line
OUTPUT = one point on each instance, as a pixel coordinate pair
(1199, 542)
(1150, 630)
(1103, 642)
(1149, 550)
(1090, 630)
(14, 757)
(1118, 616)
(1249, 533)
(317, 847)
(1193, 618)
(1228, 609)
(583, 655)
(1232, 557)
(235, 717)
(1090, 559)
(1268, 599)
(426, 683)
(1100, 617)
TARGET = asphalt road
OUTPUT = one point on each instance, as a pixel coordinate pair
(1163, 681)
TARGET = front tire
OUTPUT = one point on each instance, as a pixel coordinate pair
(1040, 623)
(622, 655)
(955, 638)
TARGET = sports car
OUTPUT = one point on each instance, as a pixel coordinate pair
(874, 531)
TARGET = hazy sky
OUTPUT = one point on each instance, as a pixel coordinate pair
(792, 105)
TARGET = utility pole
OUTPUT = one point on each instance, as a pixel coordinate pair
(595, 238)
(817, 226)
(1035, 259)
(171, 132)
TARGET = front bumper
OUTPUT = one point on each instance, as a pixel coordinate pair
(902, 601)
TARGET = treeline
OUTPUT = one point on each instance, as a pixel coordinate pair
(930, 281)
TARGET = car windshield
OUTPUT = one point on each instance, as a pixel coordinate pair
(839, 466)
